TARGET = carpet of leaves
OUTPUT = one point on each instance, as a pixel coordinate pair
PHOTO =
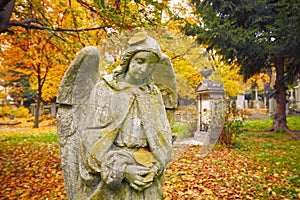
(266, 168)
(224, 175)
(30, 165)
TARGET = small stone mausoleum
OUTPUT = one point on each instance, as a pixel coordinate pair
(211, 108)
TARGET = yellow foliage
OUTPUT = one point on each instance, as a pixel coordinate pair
(233, 81)
(259, 79)
(45, 55)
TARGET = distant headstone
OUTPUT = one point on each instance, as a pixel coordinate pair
(240, 103)
(297, 96)
(53, 110)
(256, 103)
(246, 104)
(272, 107)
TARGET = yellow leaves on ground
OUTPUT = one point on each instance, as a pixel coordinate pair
(24, 125)
(26, 131)
(32, 170)
(226, 174)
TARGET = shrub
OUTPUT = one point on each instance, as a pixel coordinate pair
(21, 112)
(181, 129)
(233, 125)
(6, 111)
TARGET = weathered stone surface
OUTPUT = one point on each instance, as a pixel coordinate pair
(114, 132)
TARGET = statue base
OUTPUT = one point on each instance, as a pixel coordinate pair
(202, 136)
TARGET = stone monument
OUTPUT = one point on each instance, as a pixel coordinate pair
(114, 130)
(211, 108)
(297, 96)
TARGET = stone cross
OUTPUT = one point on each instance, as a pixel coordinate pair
(256, 94)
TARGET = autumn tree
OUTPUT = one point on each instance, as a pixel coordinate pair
(253, 34)
(46, 34)
(120, 15)
(7, 78)
(41, 55)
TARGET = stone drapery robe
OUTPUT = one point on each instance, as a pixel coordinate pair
(121, 120)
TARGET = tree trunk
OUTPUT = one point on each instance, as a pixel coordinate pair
(39, 100)
(226, 138)
(280, 96)
(37, 111)
(267, 87)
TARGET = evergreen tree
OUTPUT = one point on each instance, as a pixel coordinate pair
(255, 35)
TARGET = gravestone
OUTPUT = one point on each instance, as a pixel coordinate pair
(297, 96)
(272, 106)
(114, 130)
(240, 103)
(246, 104)
(53, 110)
(256, 102)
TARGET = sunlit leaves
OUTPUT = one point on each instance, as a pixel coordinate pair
(30, 167)
(230, 174)
(233, 81)
(259, 80)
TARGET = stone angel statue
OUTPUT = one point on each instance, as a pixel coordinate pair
(115, 130)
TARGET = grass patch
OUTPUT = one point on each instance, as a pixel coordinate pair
(275, 150)
(275, 157)
(181, 130)
(258, 124)
(292, 122)
(28, 138)
(272, 135)
(273, 153)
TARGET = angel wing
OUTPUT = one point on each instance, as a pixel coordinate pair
(164, 78)
(73, 93)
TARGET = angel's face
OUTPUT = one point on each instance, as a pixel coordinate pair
(141, 67)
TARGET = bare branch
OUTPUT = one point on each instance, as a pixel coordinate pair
(86, 5)
(75, 23)
(6, 8)
(27, 24)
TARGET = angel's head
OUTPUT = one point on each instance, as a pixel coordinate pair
(141, 67)
(139, 61)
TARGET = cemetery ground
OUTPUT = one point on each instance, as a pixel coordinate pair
(264, 166)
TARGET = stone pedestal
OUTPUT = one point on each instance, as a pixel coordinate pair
(202, 136)
(272, 107)
(297, 96)
(246, 104)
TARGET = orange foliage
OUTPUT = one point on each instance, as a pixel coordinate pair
(259, 79)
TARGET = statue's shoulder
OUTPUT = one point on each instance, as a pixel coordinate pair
(106, 81)
(108, 78)
(103, 90)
